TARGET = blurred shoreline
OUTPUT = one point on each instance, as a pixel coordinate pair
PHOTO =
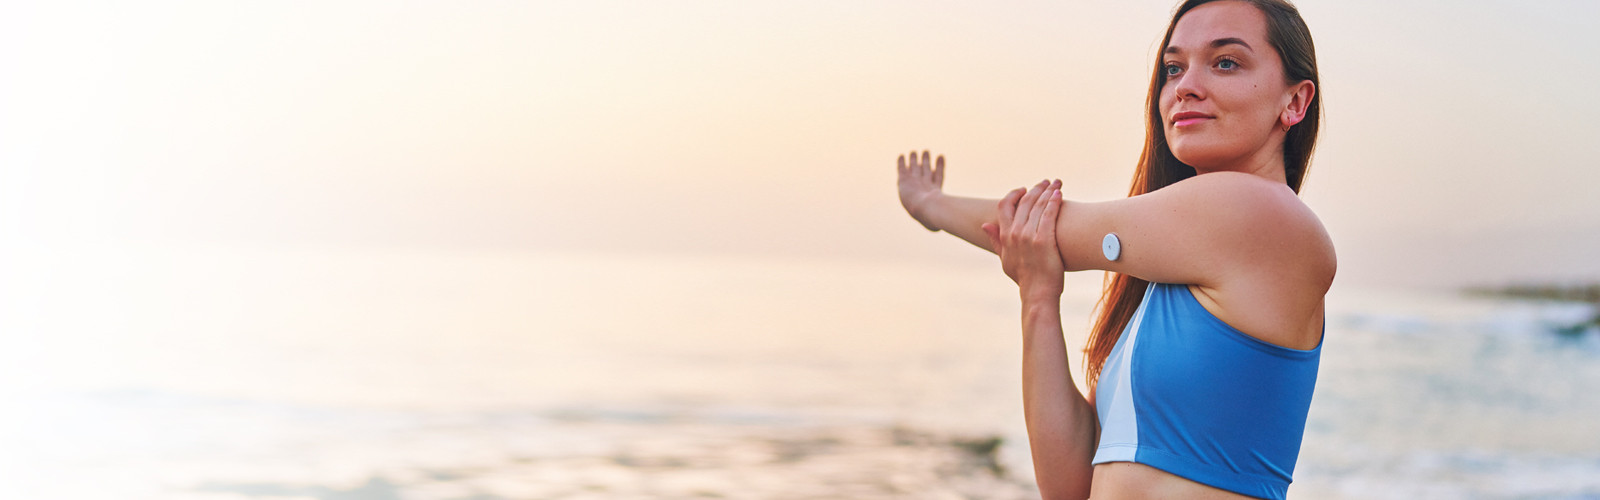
(496, 376)
(1588, 293)
(1570, 292)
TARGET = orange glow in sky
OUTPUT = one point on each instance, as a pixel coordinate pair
(1460, 133)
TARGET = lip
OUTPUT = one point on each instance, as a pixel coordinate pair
(1189, 118)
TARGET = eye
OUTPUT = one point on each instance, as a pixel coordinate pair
(1171, 70)
(1227, 65)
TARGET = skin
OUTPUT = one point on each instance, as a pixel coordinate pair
(1253, 254)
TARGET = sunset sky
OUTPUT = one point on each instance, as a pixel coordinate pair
(1460, 140)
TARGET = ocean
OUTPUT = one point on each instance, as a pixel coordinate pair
(211, 372)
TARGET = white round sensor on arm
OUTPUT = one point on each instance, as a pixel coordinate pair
(1111, 246)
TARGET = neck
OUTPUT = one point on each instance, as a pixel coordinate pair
(1266, 163)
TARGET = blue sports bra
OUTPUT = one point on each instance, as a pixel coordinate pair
(1185, 393)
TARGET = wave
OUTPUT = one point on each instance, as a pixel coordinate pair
(1509, 318)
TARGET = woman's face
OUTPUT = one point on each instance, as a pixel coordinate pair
(1224, 103)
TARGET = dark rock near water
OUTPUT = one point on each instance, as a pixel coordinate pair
(1584, 292)
(1587, 292)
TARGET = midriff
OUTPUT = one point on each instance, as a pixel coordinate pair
(1132, 481)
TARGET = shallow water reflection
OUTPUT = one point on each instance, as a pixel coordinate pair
(254, 374)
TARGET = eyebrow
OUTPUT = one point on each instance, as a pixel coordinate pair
(1215, 44)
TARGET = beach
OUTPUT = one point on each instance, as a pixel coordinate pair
(307, 373)
(576, 249)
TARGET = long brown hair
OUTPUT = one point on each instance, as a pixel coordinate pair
(1158, 168)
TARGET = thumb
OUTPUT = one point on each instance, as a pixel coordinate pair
(993, 230)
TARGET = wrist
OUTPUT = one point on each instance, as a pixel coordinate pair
(1041, 303)
(1036, 293)
(1041, 321)
(923, 208)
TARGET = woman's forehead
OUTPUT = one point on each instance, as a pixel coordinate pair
(1204, 26)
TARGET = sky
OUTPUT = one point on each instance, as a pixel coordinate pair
(1458, 147)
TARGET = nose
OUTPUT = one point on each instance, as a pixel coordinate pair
(1188, 86)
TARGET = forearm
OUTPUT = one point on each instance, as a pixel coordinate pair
(1062, 429)
(964, 217)
(960, 216)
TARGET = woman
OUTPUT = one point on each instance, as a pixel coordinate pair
(1203, 358)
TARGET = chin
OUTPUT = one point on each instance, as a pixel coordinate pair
(1199, 156)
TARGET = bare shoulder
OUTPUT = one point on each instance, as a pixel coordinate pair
(1279, 261)
(1266, 223)
(1263, 200)
(1253, 253)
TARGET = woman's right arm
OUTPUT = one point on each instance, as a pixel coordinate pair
(921, 184)
(1206, 230)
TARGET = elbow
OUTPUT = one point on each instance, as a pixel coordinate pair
(1064, 491)
(1064, 483)
(1065, 486)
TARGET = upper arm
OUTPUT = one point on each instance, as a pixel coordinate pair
(1204, 230)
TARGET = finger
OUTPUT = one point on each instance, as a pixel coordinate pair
(1036, 212)
(1031, 194)
(1024, 205)
(1008, 207)
(1052, 211)
(1012, 202)
(912, 164)
(1036, 215)
(1047, 233)
(927, 166)
(938, 172)
(901, 166)
(993, 230)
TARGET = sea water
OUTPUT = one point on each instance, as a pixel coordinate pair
(317, 373)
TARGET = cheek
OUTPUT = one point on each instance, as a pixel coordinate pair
(1164, 104)
(1256, 103)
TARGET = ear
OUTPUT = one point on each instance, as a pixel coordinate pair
(1299, 98)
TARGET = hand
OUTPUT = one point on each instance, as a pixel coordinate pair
(919, 181)
(1025, 238)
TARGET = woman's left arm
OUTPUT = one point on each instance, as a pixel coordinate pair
(1062, 428)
